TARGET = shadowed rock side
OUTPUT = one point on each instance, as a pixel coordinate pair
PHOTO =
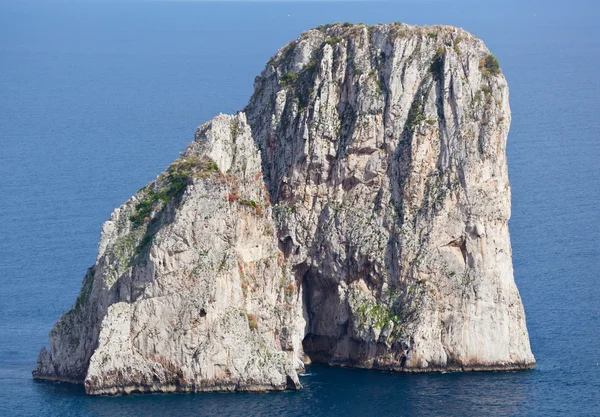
(382, 150)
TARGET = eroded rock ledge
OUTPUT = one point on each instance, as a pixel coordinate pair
(354, 213)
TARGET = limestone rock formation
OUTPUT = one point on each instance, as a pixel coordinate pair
(354, 213)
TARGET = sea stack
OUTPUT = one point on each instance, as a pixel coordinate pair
(354, 213)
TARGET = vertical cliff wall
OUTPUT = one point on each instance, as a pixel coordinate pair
(354, 213)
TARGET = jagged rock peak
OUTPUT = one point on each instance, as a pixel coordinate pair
(355, 213)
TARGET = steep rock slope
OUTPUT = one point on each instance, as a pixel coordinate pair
(356, 210)
(190, 291)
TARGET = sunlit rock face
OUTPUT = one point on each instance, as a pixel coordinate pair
(354, 213)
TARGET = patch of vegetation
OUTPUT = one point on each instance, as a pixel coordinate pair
(311, 66)
(289, 290)
(248, 203)
(435, 192)
(490, 65)
(252, 323)
(145, 243)
(171, 185)
(415, 114)
(323, 28)
(235, 129)
(288, 79)
(333, 40)
(397, 308)
(256, 206)
(377, 314)
(143, 209)
(288, 50)
(457, 42)
(432, 35)
(484, 95)
(126, 247)
(399, 31)
(285, 53)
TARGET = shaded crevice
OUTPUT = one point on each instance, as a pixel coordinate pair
(461, 245)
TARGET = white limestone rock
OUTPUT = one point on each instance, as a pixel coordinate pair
(382, 150)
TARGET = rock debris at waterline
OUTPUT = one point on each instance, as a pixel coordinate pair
(354, 213)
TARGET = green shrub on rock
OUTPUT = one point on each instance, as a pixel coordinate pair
(490, 65)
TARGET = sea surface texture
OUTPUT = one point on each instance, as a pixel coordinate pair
(97, 98)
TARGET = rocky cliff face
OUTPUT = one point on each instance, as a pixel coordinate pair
(354, 213)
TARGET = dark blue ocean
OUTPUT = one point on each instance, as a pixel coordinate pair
(98, 97)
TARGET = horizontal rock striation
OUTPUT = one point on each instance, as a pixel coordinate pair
(355, 213)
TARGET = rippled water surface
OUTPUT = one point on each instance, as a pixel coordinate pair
(97, 98)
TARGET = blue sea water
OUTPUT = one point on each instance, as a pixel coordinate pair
(98, 97)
